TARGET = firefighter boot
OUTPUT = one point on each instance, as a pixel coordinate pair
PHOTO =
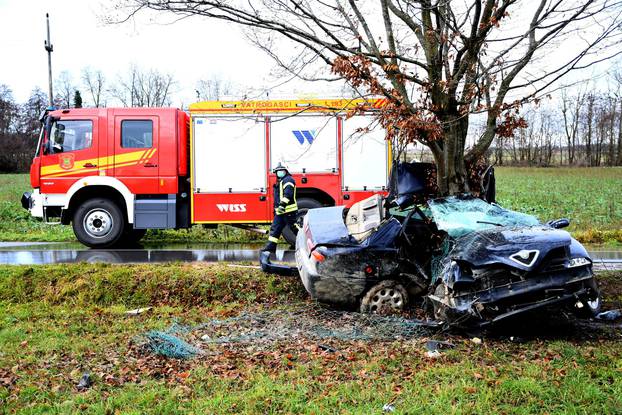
(269, 247)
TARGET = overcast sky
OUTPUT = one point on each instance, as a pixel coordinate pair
(191, 50)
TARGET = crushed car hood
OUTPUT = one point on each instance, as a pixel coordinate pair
(523, 247)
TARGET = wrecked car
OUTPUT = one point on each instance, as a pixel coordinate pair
(468, 259)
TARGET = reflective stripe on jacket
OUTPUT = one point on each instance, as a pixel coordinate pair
(285, 191)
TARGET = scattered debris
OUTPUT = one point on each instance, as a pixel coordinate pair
(432, 345)
(169, 344)
(326, 348)
(476, 340)
(85, 381)
(609, 315)
(388, 407)
(262, 329)
(244, 266)
(137, 311)
(433, 354)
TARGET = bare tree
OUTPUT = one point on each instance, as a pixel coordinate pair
(94, 82)
(8, 110)
(213, 88)
(140, 88)
(571, 110)
(19, 127)
(436, 61)
(65, 90)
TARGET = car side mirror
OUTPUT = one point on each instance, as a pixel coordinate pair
(559, 223)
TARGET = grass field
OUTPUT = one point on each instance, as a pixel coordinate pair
(56, 323)
(590, 197)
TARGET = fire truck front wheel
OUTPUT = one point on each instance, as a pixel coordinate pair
(98, 223)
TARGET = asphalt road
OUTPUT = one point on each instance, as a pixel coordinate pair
(37, 253)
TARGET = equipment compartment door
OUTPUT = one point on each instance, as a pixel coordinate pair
(365, 155)
(304, 143)
(229, 169)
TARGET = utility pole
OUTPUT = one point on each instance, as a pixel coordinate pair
(49, 48)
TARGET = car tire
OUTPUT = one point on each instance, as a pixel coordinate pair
(304, 204)
(98, 223)
(386, 297)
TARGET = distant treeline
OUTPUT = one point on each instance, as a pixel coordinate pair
(579, 129)
(19, 129)
(583, 129)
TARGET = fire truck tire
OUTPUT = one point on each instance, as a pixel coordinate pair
(98, 223)
(304, 204)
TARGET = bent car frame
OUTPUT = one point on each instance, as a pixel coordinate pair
(467, 260)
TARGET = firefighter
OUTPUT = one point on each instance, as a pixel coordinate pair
(285, 207)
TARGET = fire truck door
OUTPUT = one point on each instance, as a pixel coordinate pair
(69, 153)
(229, 164)
(136, 155)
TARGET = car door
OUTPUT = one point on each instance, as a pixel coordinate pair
(69, 153)
(136, 156)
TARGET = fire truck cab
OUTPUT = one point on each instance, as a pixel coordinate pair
(113, 173)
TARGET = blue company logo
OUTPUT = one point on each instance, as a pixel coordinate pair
(301, 135)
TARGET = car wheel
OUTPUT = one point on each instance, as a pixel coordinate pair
(304, 204)
(385, 297)
(98, 223)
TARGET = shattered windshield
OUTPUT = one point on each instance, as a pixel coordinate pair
(458, 216)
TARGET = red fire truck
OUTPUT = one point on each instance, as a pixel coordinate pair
(113, 173)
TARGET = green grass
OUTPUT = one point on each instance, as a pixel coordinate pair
(57, 323)
(590, 197)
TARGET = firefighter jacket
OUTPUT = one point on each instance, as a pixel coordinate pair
(285, 194)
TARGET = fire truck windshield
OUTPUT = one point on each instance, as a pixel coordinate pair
(70, 135)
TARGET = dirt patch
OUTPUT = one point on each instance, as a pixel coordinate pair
(610, 284)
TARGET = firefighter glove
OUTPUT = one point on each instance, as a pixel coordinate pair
(280, 210)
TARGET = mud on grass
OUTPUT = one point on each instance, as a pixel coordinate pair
(63, 321)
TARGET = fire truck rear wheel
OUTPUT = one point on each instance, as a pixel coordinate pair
(304, 204)
(98, 223)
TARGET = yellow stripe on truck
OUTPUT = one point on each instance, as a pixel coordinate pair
(100, 162)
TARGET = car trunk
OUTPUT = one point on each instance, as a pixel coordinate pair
(326, 226)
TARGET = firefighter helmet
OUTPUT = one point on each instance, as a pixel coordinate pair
(280, 166)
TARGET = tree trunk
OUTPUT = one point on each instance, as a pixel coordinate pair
(451, 174)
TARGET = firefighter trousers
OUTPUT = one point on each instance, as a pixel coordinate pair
(279, 223)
